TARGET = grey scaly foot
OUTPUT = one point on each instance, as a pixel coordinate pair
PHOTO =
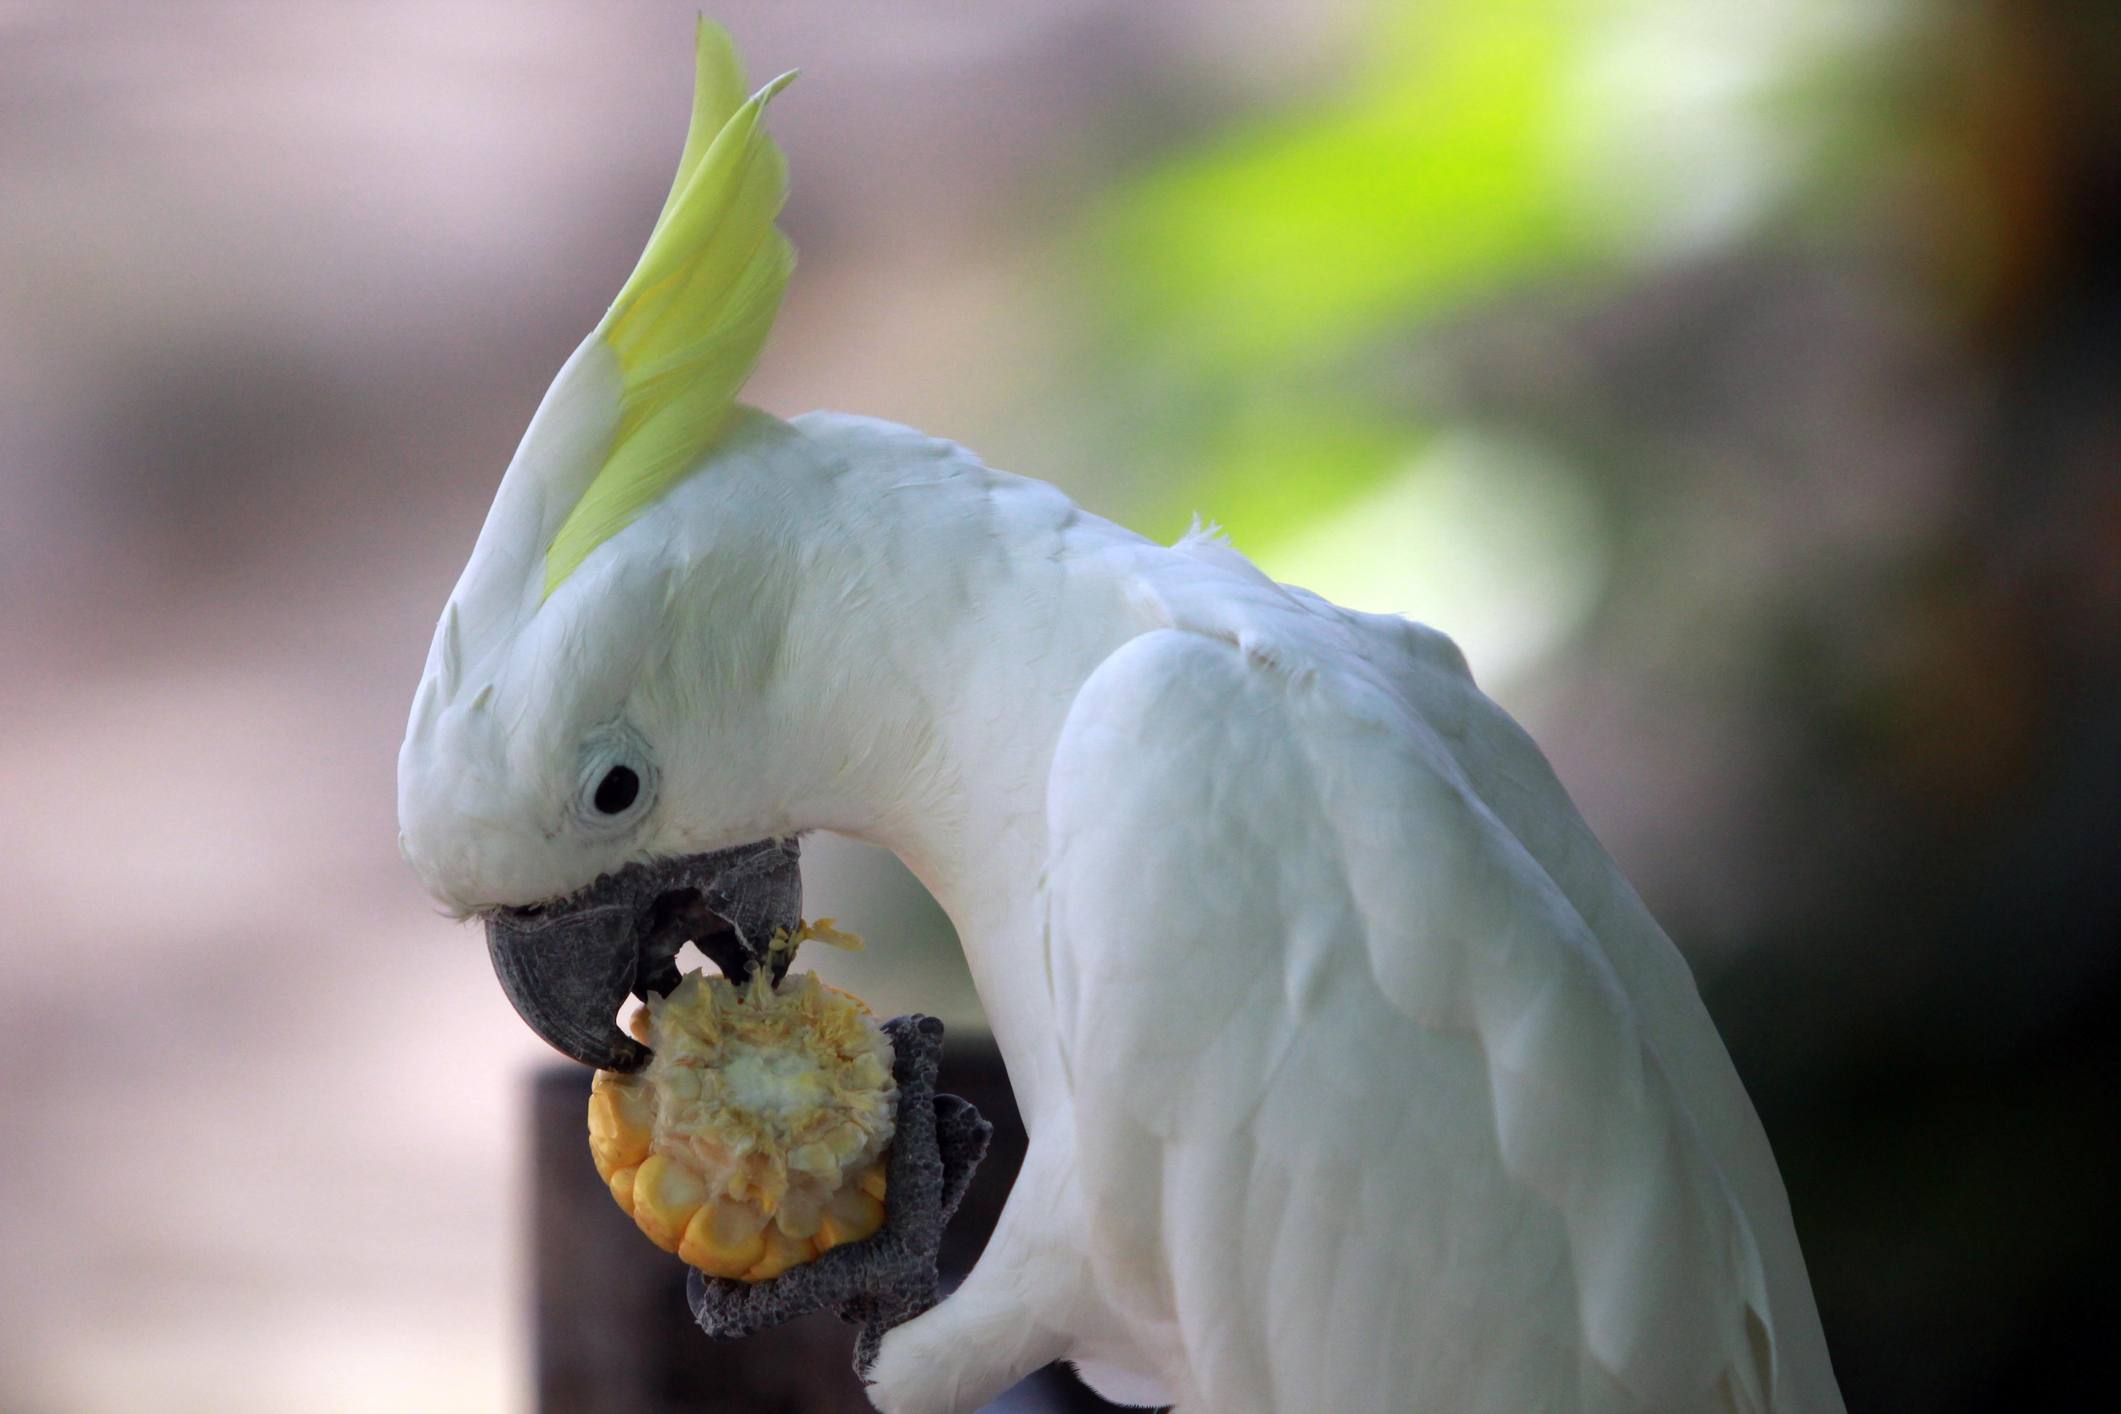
(890, 1276)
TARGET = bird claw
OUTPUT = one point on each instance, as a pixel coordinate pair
(892, 1275)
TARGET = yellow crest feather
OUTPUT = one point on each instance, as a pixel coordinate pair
(690, 321)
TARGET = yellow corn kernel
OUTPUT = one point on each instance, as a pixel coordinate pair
(621, 1120)
(814, 1159)
(621, 1181)
(769, 1101)
(824, 932)
(725, 1238)
(799, 1217)
(851, 1216)
(782, 1252)
(666, 1194)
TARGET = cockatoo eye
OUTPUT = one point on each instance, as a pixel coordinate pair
(616, 787)
(619, 789)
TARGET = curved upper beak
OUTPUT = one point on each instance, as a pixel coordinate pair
(567, 965)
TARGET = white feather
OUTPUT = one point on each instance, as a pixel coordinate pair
(1355, 1069)
(1356, 1075)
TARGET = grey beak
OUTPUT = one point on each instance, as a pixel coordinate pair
(566, 966)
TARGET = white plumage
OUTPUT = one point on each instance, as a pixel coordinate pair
(1441, 1112)
(1357, 1076)
(1377, 1087)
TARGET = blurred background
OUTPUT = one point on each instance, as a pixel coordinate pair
(1740, 384)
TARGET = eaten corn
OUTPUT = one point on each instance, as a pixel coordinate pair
(754, 1140)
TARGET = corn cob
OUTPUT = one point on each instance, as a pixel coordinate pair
(754, 1139)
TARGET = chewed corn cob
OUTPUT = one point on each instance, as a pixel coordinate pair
(754, 1139)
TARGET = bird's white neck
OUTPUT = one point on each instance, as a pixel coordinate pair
(948, 652)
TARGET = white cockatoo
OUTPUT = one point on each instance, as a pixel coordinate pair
(1357, 1077)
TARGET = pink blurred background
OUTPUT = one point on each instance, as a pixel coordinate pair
(1783, 510)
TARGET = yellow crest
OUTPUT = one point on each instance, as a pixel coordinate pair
(690, 321)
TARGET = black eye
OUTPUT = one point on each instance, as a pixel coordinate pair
(617, 790)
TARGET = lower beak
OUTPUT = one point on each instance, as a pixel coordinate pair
(568, 965)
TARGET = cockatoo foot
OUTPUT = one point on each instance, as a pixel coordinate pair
(1008, 1318)
(889, 1277)
(959, 1356)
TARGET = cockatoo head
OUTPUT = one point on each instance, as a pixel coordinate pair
(568, 771)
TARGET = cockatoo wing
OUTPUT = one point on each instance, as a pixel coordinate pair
(1367, 1117)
